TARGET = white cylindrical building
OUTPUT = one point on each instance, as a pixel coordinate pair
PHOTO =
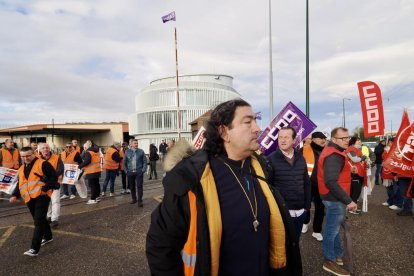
(155, 117)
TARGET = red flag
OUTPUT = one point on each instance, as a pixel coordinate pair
(372, 110)
(400, 157)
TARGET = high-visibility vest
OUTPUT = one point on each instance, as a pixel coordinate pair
(68, 159)
(77, 149)
(10, 161)
(32, 187)
(95, 165)
(310, 158)
(122, 154)
(53, 160)
(189, 251)
(109, 163)
(344, 179)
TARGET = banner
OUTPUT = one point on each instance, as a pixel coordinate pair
(289, 116)
(372, 110)
(399, 158)
(8, 180)
(70, 174)
(198, 141)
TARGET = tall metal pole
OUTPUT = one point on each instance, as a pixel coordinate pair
(307, 59)
(343, 112)
(178, 89)
(270, 65)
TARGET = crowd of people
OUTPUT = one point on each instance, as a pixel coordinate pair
(228, 210)
(223, 200)
(40, 174)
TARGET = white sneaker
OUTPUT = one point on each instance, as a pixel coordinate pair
(385, 203)
(64, 197)
(103, 194)
(111, 194)
(31, 253)
(72, 196)
(98, 198)
(91, 201)
(394, 207)
(128, 191)
(317, 236)
(305, 228)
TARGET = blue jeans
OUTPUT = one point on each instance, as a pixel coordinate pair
(404, 183)
(378, 173)
(331, 245)
(394, 196)
(109, 177)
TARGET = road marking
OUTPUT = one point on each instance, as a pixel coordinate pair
(6, 235)
(113, 241)
(159, 198)
(95, 209)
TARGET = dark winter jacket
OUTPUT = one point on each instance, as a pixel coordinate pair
(292, 181)
(170, 221)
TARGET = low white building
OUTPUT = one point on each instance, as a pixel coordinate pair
(155, 116)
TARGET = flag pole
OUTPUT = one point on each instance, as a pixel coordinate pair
(178, 89)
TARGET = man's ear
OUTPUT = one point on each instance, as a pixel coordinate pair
(223, 131)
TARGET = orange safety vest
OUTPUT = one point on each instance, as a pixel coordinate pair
(122, 154)
(77, 149)
(344, 179)
(189, 252)
(32, 187)
(95, 165)
(53, 160)
(310, 158)
(68, 159)
(109, 163)
(10, 161)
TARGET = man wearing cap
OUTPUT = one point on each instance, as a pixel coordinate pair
(311, 154)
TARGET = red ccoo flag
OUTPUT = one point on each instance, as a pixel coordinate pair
(400, 156)
(372, 110)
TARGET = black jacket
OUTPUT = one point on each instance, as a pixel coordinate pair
(292, 181)
(170, 223)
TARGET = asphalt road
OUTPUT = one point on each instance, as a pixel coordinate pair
(109, 239)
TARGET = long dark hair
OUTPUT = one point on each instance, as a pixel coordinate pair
(222, 115)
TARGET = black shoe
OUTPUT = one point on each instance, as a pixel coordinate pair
(140, 204)
(404, 213)
(150, 178)
(54, 224)
(133, 202)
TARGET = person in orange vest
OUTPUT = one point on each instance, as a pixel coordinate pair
(70, 156)
(9, 155)
(125, 188)
(91, 166)
(311, 154)
(76, 146)
(334, 183)
(219, 216)
(111, 165)
(53, 212)
(37, 179)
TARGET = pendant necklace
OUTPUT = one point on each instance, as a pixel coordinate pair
(254, 211)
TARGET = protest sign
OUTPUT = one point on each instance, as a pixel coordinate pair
(372, 110)
(198, 141)
(289, 116)
(8, 180)
(70, 174)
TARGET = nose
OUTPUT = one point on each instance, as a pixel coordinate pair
(256, 127)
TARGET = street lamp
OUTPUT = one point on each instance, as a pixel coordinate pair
(343, 111)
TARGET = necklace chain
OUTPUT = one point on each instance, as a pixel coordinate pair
(254, 211)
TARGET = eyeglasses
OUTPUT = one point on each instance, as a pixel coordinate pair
(343, 138)
(68, 147)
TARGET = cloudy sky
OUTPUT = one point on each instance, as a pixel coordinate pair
(86, 60)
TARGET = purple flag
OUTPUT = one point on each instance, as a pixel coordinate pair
(289, 116)
(168, 17)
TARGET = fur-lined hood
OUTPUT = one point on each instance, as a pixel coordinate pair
(182, 149)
